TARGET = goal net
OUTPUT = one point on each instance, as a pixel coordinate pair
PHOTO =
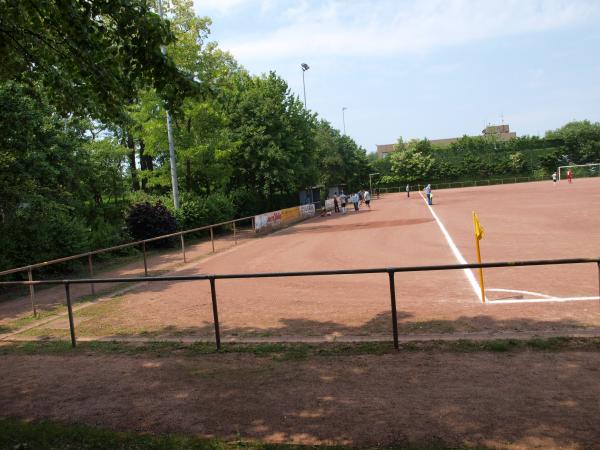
(579, 171)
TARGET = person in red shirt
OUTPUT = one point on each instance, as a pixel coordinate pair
(569, 175)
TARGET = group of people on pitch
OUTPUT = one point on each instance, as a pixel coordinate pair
(427, 190)
(357, 199)
(569, 176)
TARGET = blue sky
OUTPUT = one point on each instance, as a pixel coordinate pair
(423, 68)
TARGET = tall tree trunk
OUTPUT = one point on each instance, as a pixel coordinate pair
(135, 185)
(146, 163)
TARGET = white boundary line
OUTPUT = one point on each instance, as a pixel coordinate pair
(535, 294)
(543, 300)
(459, 257)
(475, 284)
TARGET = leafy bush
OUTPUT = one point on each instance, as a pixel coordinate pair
(136, 197)
(105, 233)
(146, 220)
(218, 208)
(41, 232)
(246, 203)
(196, 212)
(191, 213)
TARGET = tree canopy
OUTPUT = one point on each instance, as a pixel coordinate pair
(86, 56)
(84, 88)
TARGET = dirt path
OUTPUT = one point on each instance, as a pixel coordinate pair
(523, 399)
(49, 298)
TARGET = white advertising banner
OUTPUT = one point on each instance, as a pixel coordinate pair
(307, 210)
(270, 219)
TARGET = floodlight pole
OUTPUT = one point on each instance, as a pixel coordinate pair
(172, 160)
(344, 119)
(370, 184)
(304, 67)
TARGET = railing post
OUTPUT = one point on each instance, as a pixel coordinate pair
(234, 234)
(394, 312)
(598, 278)
(213, 294)
(32, 292)
(145, 261)
(212, 239)
(91, 267)
(70, 310)
(182, 247)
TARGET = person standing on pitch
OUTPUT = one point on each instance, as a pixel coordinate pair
(343, 199)
(569, 176)
(355, 200)
(368, 199)
(408, 190)
(336, 205)
(554, 179)
(428, 193)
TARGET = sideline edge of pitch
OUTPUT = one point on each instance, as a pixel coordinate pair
(459, 257)
(475, 284)
(541, 298)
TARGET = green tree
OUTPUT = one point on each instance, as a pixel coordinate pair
(41, 188)
(580, 141)
(339, 159)
(410, 165)
(89, 56)
(516, 162)
(275, 134)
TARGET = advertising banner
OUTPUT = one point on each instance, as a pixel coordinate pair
(289, 215)
(307, 210)
(267, 220)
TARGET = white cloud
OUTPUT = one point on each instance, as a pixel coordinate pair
(231, 7)
(388, 27)
(218, 6)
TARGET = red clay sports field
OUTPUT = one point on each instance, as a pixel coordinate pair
(522, 221)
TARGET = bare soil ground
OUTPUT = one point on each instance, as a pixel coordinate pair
(159, 262)
(522, 221)
(523, 399)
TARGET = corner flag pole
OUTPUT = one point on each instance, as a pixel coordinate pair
(478, 236)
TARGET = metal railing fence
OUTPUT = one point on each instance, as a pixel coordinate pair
(89, 255)
(390, 271)
(461, 184)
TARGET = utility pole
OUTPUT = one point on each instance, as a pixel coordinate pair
(172, 160)
(344, 119)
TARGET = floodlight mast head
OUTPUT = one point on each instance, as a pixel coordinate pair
(304, 67)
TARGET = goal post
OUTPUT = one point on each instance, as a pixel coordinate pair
(579, 170)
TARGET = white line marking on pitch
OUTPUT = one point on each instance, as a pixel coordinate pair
(459, 257)
(543, 300)
(536, 294)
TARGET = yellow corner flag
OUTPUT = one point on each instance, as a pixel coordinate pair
(479, 231)
(478, 228)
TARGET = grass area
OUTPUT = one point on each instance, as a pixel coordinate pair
(24, 321)
(19, 434)
(299, 351)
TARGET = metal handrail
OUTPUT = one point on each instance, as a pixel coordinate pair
(391, 271)
(117, 247)
(397, 269)
(469, 183)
